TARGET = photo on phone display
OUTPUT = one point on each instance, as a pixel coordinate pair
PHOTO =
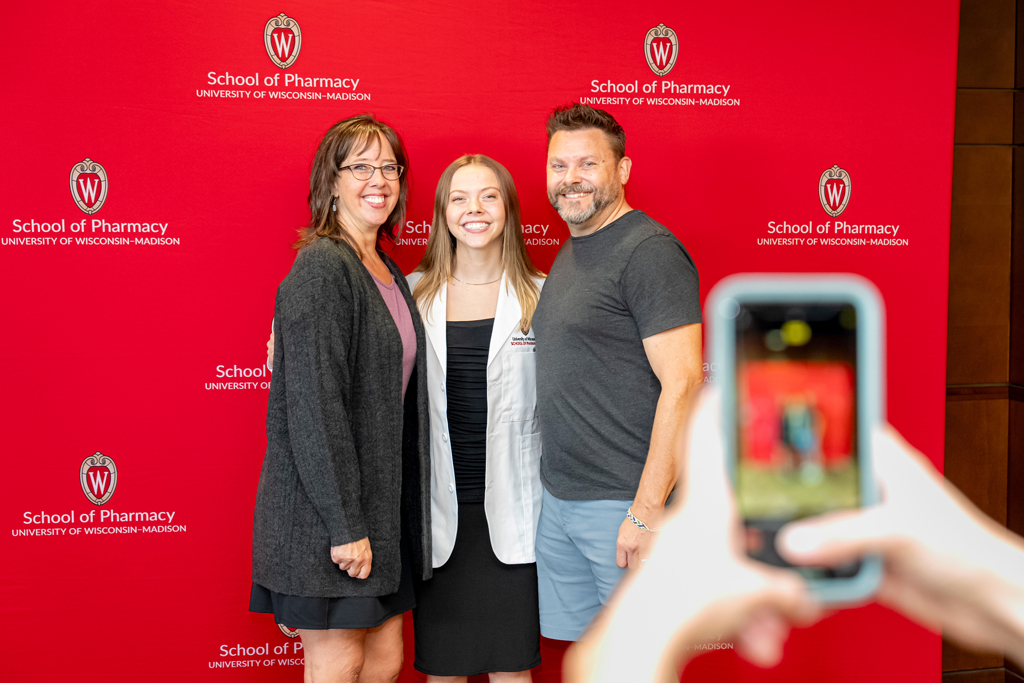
(796, 440)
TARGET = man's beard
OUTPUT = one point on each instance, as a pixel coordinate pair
(600, 200)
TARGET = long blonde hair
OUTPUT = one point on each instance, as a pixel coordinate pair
(439, 258)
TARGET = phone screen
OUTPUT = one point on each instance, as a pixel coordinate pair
(796, 393)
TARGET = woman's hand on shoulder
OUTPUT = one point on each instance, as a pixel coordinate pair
(270, 352)
(355, 558)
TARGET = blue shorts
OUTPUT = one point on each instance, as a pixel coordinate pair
(576, 570)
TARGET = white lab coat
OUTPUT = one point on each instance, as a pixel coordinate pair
(512, 494)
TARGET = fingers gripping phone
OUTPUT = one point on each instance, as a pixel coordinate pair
(800, 361)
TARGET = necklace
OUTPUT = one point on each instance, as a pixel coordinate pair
(475, 283)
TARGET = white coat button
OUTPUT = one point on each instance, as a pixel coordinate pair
(451, 488)
(442, 386)
(444, 437)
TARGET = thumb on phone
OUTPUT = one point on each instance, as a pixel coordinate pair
(836, 538)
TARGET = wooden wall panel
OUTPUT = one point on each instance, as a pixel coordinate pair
(982, 676)
(984, 117)
(1017, 259)
(977, 433)
(979, 265)
(1015, 466)
(955, 658)
(985, 363)
(987, 44)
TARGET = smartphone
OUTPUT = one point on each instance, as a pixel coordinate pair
(801, 365)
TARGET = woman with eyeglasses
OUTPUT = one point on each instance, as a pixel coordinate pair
(342, 521)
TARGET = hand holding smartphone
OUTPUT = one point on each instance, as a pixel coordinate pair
(800, 362)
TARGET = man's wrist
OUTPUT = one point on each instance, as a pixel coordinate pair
(639, 523)
(649, 514)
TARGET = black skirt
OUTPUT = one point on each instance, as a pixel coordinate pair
(477, 615)
(324, 613)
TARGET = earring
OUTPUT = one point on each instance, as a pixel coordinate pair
(334, 206)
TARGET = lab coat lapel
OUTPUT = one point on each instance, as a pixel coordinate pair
(434, 321)
(506, 317)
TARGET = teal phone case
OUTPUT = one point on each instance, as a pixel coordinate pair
(723, 306)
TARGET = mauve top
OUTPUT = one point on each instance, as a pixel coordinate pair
(403, 320)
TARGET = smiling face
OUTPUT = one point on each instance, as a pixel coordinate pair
(476, 212)
(365, 205)
(584, 176)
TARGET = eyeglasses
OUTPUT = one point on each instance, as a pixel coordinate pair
(366, 171)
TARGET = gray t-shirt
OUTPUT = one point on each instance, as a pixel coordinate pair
(596, 391)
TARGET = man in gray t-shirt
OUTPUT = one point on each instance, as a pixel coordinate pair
(618, 330)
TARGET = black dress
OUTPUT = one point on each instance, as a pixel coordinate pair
(476, 615)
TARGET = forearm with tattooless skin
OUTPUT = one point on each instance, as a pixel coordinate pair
(661, 470)
(675, 356)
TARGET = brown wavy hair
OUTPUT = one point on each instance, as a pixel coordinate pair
(439, 258)
(351, 136)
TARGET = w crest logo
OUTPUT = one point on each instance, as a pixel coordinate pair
(99, 478)
(834, 190)
(89, 185)
(661, 48)
(283, 39)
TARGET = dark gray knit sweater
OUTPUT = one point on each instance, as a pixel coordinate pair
(345, 459)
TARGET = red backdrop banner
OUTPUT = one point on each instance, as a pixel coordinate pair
(156, 170)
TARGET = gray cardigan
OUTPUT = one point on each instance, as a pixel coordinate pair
(345, 459)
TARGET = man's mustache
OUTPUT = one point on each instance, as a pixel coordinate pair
(575, 187)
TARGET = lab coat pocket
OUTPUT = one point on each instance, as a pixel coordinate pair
(519, 386)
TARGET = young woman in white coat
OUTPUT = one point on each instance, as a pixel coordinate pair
(476, 289)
